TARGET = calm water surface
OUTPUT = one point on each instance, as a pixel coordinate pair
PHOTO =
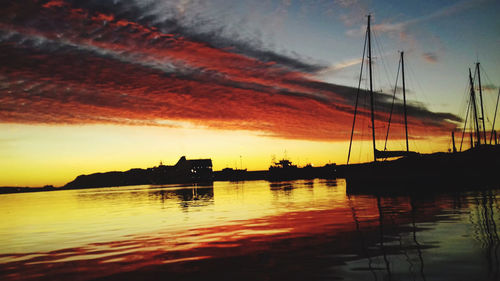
(298, 230)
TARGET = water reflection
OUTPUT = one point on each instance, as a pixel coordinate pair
(276, 186)
(329, 182)
(285, 189)
(300, 230)
(483, 218)
(387, 238)
(192, 196)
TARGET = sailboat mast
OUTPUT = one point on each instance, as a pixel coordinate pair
(357, 98)
(481, 99)
(494, 118)
(371, 88)
(474, 107)
(404, 98)
(453, 141)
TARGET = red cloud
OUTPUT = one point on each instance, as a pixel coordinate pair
(54, 3)
(97, 68)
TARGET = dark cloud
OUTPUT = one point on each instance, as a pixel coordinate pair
(195, 28)
(383, 101)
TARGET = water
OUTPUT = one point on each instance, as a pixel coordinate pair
(256, 230)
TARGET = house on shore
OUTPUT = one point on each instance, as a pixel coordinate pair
(196, 170)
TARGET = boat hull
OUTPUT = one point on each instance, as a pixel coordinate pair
(477, 168)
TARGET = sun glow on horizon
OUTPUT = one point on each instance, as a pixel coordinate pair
(40, 155)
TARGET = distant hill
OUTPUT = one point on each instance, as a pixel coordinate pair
(18, 189)
(196, 170)
(130, 177)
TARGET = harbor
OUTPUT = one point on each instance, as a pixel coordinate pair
(272, 140)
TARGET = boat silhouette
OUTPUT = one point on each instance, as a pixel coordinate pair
(415, 172)
(285, 170)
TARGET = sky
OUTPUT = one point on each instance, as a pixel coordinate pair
(93, 86)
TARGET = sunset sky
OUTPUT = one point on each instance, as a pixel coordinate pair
(95, 85)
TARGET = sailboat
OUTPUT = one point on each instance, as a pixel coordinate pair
(478, 138)
(415, 172)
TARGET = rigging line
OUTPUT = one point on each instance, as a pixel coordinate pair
(392, 105)
(417, 86)
(473, 127)
(476, 74)
(366, 103)
(475, 100)
(474, 107)
(415, 82)
(464, 114)
(481, 98)
(489, 103)
(404, 98)
(495, 117)
(380, 49)
(471, 124)
(484, 73)
(372, 106)
(465, 100)
(357, 98)
(465, 125)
